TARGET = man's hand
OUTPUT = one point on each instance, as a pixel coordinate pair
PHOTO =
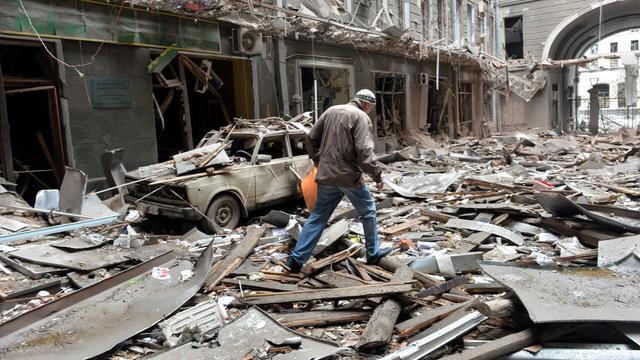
(380, 185)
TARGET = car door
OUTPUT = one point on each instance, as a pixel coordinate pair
(274, 181)
(301, 162)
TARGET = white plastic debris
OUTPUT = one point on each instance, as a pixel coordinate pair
(185, 275)
(123, 241)
(279, 232)
(161, 273)
(571, 246)
(133, 216)
(35, 302)
(546, 237)
(93, 238)
(542, 259)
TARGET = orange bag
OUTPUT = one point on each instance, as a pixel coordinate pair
(309, 189)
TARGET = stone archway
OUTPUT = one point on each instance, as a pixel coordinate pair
(580, 31)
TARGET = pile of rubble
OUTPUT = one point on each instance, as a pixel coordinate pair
(517, 246)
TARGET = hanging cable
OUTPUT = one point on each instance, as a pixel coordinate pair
(74, 67)
(600, 24)
(46, 48)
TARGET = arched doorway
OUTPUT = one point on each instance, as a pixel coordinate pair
(573, 38)
(613, 79)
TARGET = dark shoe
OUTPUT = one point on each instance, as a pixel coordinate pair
(381, 253)
(293, 265)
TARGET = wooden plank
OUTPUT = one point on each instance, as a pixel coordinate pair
(380, 327)
(354, 292)
(457, 314)
(496, 348)
(362, 273)
(621, 189)
(456, 297)
(187, 131)
(437, 216)
(338, 280)
(260, 285)
(399, 212)
(320, 318)
(404, 226)
(235, 257)
(425, 319)
(444, 287)
(496, 308)
(376, 271)
(335, 258)
(390, 264)
(484, 288)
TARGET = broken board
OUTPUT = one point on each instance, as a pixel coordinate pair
(86, 260)
(189, 160)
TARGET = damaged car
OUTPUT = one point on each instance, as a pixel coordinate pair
(223, 179)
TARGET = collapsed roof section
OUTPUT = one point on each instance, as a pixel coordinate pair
(325, 21)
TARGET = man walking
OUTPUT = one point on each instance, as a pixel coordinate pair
(342, 148)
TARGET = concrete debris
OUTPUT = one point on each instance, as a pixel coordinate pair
(496, 242)
(199, 321)
(256, 334)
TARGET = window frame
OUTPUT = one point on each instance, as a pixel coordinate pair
(321, 65)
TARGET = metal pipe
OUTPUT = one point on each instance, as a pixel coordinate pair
(22, 235)
(45, 211)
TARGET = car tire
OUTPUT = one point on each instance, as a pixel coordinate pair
(225, 212)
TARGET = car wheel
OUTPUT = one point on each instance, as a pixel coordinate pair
(225, 212)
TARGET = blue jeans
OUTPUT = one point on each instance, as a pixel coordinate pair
(328, 199)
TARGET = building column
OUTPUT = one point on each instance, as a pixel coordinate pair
(594, 111)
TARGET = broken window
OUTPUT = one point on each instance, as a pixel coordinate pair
(406, 14)
(621, 99)
(634, 45)
(194, 95)
(471, 23)
(465, 98)
(456, 6)
(613, 47)
(242, 145)
(441, 18)
(297, 143)
(513, 37)
(33, 152)
(603, 95)
(274, 146)
(390, 106)
(333, 86)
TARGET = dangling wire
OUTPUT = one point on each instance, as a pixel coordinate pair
(600, 25)
(74, 67)
(46, 48)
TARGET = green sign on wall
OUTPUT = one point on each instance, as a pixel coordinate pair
(70, 19)
(110, 93)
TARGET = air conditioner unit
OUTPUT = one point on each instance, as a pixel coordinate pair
(247, 41)
(424, 79)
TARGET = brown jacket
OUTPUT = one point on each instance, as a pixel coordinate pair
(342, 147)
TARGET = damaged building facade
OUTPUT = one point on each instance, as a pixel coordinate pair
(550, 43)
(154, 77)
